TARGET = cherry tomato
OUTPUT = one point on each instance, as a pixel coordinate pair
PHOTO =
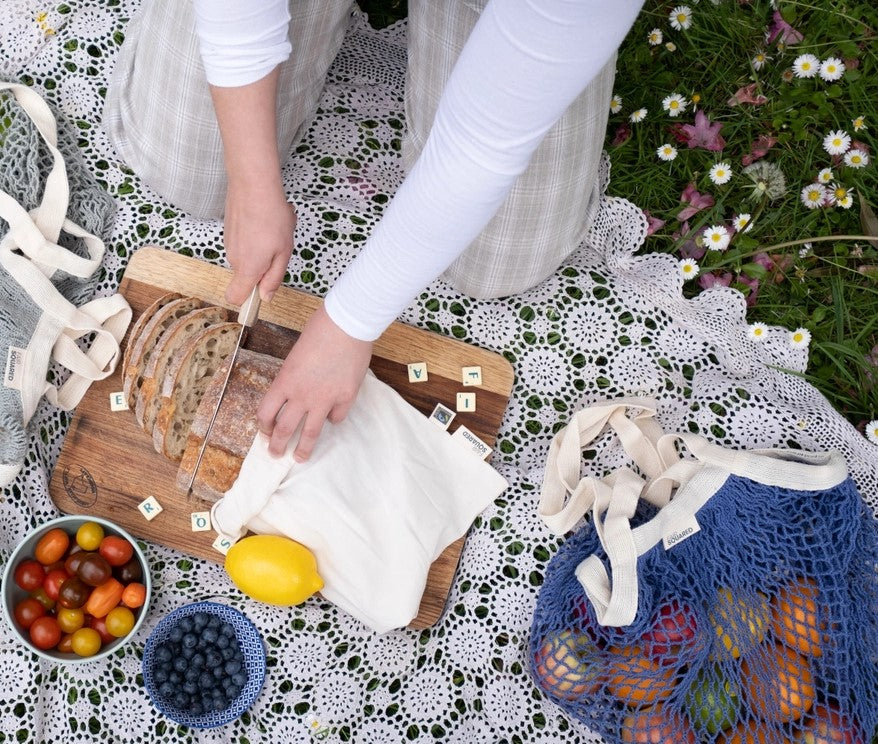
(44, 599)
(29, 574)
(89, 535)
(73, 593)
(73, 560)
(128, 572)
(86, 642)
(45, 633)
(53, 581)
(99, 624)
(94, 569)
(52, 546)
(27, 611)
(65, 645)
(120, 621)
(117, 550)
(104, 598)
(134, 595)
(70, 620)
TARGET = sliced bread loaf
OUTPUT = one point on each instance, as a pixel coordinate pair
(143, 344)
(141, 322)
(194, 365)
(234, 428)
(174, 337)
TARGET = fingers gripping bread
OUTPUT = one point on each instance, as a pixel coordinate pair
(144, 342)
(193, 366)
(176, 335)
(234, 428)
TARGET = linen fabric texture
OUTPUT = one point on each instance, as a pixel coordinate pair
(48, 266)
(726, 591)
(384, 493)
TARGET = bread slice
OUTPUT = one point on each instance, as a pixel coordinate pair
(174, 337)
(193, 366)
(143, 344)
(234, 428)
(141, 322)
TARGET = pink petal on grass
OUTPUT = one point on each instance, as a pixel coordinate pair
(695, 202)
(780, 29)
(652, 223)
(703, 134)
(759, 148)
(706, 281)
(747, 94)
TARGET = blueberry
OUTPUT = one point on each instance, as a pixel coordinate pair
(175, 634)
(181, 700)
(164, 653)
(197, 660)
(166, 690)
(190, 640)
(232, 667)
(223, 641)
(175, 678)
(228, 653)
(214, 622)
(180, 664)
(160, 675)
(201, 619)
(206, 681)
(212, 657)
(219, 672)
(240, 679)
(228, 630)
(233, 691)
(220, 703)
(190, 687)
(209, 635)
(191, 674)
(186, 624)
(196, 708)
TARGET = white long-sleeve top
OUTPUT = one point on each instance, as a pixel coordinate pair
(524, 63)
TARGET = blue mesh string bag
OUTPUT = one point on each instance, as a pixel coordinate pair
(714, 595)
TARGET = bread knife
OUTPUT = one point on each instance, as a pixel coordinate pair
(247, 316)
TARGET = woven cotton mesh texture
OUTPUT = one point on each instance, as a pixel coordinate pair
(761, 627)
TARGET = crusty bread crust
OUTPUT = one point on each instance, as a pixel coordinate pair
(234, 428)
(192, 367)
(146, 402)
(141, 322)
(143, 344)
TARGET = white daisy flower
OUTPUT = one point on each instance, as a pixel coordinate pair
(760, 59)
(743, 222)
(638, 116)
(837, 142)
(666, 152)
(806, 66)
(655, 37)
(716, 238)
(671, 46)
(681, 17)
(859, 123)
(856, 158)
(689, 268)
(838, 192)
(813, 195)
(674, 104)
(831, 69)
(800, 337)
(825, 175)
(757, 331)
(615, 104)
(846, 202)
(872, 431)
(720, 173)
(805, 250)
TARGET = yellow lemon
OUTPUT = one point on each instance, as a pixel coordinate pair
(740, 623)
(273, 569)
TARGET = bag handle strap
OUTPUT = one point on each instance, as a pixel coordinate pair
(695, 480)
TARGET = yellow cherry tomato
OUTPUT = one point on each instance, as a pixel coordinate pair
(273, 569)
(120, 621)
(89, 535)
(86, 642)
(70, 619)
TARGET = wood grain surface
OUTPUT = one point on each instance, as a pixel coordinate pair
(108, 466)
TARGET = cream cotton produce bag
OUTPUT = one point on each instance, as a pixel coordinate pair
(384, 493)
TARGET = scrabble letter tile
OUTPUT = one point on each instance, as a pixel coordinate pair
(471, 376)
(200, 521)
(150, 508)
(466, 402)
(222, 543)
(442, 416)
(417, 372)
(118, 402)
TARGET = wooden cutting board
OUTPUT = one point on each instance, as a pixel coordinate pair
(108, 466)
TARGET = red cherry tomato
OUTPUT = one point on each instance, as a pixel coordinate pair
(100, 625)
(53, 581)
(27, 611)
(45, 632)
(29, 574)
(52, 546)
(65, 645)
(116, 550)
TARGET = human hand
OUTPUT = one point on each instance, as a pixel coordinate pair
(319, 380)
(259, 230)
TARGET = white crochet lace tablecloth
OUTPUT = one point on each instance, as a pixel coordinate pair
(608, 323)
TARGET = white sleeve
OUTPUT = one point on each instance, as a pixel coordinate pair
(524, 63)
(241, 42)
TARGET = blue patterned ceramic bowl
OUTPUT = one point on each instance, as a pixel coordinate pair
(252, 651)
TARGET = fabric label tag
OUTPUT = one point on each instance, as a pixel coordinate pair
(469, 440)
(14, 374)
(680, 531)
